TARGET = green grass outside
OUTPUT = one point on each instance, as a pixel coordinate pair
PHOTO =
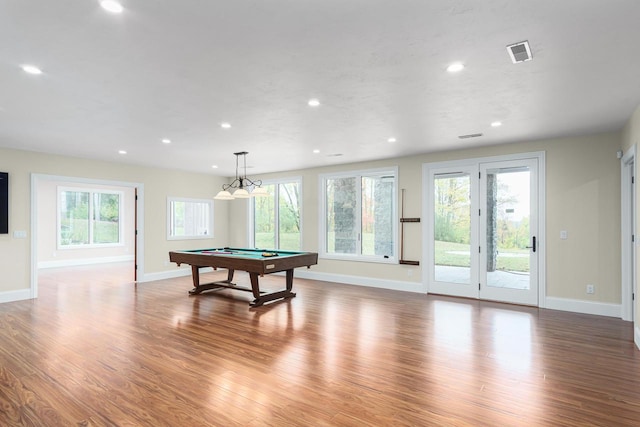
(104, 232)
(446, 253)
(288, 241)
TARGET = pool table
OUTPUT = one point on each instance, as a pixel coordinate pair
(256, 262)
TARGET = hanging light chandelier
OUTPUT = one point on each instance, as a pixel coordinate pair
(241, 184)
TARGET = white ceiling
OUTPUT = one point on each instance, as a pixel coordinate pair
(178, 69)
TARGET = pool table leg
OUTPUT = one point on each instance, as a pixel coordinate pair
(261, 299)
(198, 288)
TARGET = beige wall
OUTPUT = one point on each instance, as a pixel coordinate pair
(583, 197)
(15, 254)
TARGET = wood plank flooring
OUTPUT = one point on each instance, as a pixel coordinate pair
(97, 350)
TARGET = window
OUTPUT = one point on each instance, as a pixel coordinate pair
(276, 218)
(189, 218)
(89, 217)
(359, 217)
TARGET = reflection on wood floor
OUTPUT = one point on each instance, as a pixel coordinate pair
(97, 350)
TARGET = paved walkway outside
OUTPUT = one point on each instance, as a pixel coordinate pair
(498, 279)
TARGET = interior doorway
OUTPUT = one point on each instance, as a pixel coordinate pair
(628, 236)
(79, 222)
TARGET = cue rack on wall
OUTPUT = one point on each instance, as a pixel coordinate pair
(402, 221)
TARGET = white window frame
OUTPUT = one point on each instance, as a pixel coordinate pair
(252, 210)
(91, 192)
(170, 216)
(322, 223)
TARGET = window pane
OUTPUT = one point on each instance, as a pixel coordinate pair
(377, 215)
(74, 218)
(452, 228)
(264, 220)
(190, 219)
(106, 218)
(508, 235)
(289, 216)
(341, 208)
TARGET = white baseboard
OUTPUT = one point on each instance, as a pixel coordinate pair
(170, 274)
(395, 285)
(586, 307)
(11, 296)
(84, 261)
(306, 274)
(636, 336)
(553, 303)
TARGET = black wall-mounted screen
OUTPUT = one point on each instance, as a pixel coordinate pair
(4, 203)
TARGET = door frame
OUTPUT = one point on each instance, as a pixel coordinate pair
(427, 212)
(515, 296)
(139, 220)
(628, 229)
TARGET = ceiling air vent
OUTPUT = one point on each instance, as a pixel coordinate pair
(471, 135)
(520, 52)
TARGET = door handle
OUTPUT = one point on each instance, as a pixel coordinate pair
(534, 244)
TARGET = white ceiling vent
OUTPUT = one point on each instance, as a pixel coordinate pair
(471, 135)
(520, 52)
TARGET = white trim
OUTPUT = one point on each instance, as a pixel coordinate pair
(542, 228)
(170, 274)
(395, 285)
(636, 336)
(586, 307)
(429, 168)
(85, 261)
(12, 296)
(36, 177)
(628, 264)
(251, 210)
(170, 216)
(91, 191)
(322, 212)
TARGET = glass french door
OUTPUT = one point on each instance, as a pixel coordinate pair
(483, 234)
(508, 233)
(454, 263)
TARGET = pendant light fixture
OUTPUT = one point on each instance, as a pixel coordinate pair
(242, 184)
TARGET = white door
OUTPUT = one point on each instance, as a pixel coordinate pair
(453, 241)
(482, 233)
(509, 240)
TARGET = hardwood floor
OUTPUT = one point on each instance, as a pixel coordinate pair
(97, 350)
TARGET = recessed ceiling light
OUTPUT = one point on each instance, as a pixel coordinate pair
(225, 125)
(455, 67)
(391, 140)
(313, 102)
(496, 124)
(31, 69)
(214, 166)
(122, 152)
(316, 151)
(166, 141)
(111, 6)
